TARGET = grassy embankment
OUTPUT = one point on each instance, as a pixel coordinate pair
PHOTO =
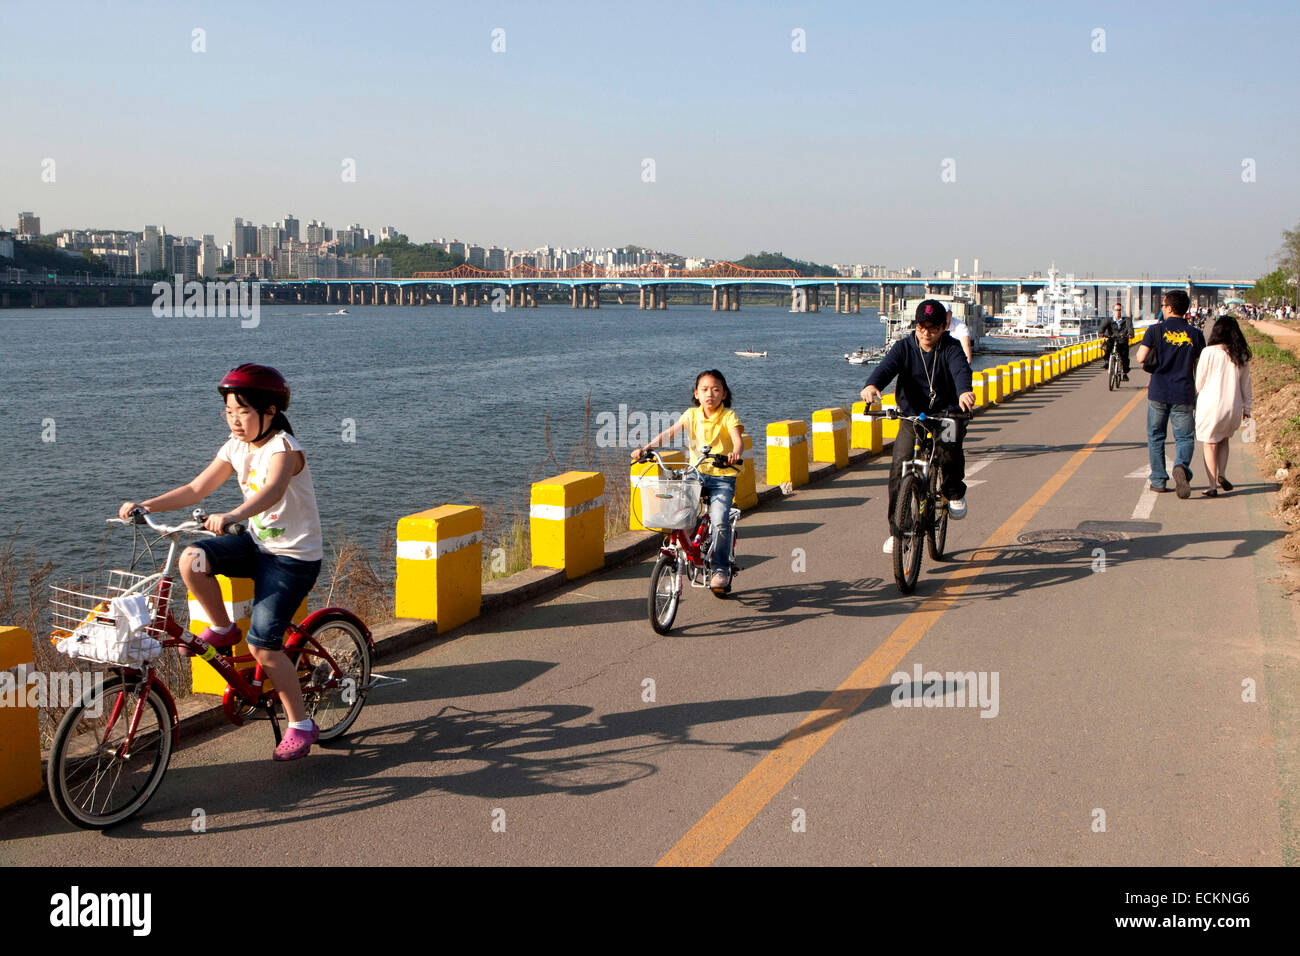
(1275, 380)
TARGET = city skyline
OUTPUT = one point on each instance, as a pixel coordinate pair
(1019, 136)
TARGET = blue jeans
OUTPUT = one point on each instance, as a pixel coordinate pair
(1183, 417)
(279, 583)
(721, 491)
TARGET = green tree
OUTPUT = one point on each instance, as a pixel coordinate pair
(777, 260)
(1288, 258)
(1273, 286)
(409, 258)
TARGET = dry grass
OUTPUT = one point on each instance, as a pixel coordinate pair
(350, 577)
(1275, 381)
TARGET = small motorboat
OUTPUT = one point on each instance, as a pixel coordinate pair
(339, 312)
(865, 356)
(750, 353)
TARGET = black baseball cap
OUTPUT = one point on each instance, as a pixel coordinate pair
(931, 312)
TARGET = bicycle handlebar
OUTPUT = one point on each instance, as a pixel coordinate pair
(893, 414)
(193, 526)
(718, 461)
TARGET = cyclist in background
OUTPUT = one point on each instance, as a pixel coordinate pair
(1116, 330)
(934, 377)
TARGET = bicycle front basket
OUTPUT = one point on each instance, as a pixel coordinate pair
(86, 625)
(667, 505)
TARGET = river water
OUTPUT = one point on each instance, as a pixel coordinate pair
(399, 408)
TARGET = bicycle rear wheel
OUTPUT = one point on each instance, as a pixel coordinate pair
(1112, 378)
(664, 595)
(936, 532)
(92, 783)
(335, 692)
(908, 517)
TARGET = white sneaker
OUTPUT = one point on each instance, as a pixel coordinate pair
(957, 509)
(889, 545)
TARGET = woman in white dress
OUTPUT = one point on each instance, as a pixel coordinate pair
(1223, 397)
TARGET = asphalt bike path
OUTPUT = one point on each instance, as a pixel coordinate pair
(764, 728)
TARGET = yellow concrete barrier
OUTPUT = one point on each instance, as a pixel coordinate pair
(1027, 372)
(20, 733)
(830, 438)
(1055, 359)
(1017, 377)
(867, 431)
(746, 484)
(1004, 385)
(787, 457)
(1038, 371)
(992, 385)
(566, 522)
(440, 565)
(977, 386)
(648, 471)
(237, 595)
(888, 428)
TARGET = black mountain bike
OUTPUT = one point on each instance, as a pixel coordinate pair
(921, 511)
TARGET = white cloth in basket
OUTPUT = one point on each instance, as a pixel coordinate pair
(118, 643)
(672, 517)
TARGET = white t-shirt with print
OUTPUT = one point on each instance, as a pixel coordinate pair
(291, 527)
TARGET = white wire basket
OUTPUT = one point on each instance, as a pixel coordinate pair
(667, 505)
(88, 626)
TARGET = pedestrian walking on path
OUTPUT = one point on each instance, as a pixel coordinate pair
(1171, 395)
(1223, 397)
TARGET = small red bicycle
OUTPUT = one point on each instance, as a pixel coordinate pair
(113, 746)
(671, 503)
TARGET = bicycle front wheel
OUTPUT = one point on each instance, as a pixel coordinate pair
(98, 778)
(909, 516)
(664, 594)
(333, 690)
(936, 532)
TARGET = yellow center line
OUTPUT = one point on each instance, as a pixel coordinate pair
(729, 816)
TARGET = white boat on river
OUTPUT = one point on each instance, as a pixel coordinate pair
(1055, 316)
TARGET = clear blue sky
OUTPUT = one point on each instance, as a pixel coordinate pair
(1126, 161)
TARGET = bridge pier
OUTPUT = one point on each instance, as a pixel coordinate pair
(735, 298)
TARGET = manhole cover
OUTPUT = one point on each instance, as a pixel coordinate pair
(1068, 539)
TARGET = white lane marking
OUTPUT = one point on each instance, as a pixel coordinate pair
(1147, 500)
(973, 467)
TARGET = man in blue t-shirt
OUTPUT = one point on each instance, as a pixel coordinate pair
(1171, 396)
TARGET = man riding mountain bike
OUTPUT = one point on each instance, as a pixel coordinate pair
(1116, 330)
(934, 377)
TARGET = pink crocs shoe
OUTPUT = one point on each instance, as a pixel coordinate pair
(297, 743)
(229, 639)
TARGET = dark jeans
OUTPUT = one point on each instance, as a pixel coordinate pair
(1160, 415)
(949, 455)
(1111, 343)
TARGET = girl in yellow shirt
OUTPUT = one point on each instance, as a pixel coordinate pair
(711, 422)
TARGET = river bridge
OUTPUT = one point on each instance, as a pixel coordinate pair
(587, 286)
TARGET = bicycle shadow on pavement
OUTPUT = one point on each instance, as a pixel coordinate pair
(505, 752)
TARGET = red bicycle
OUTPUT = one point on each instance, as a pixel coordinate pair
(113, 746)
(672, 504)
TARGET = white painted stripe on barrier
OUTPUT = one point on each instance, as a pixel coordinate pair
(830, 426)
(785, 441)
(237, 610)
(559, 512)
(432, 550)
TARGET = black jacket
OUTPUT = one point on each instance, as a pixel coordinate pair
(947, 364)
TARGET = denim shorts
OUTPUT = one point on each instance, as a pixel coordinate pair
(279, 583)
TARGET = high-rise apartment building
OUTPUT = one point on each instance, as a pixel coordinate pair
(244, 241)
(209, 258)
(289, 226)
(29, 224)
(316, 233)
(476, 256)
(495, 260)
(268, 241)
